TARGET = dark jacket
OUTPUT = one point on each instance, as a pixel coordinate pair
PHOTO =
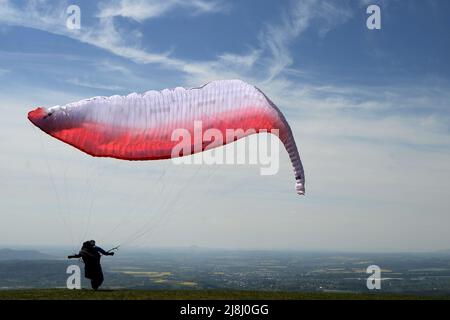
(91, 257)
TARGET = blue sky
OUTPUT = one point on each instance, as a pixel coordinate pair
(370, 111)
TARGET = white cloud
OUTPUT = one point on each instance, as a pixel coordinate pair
(274, 53)
(109, 66)
(277, 38)
(246, 61)
(90, 84)
(50, 17)
(3, 71)
(141, 10)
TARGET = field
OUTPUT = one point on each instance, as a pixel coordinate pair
(64, 294)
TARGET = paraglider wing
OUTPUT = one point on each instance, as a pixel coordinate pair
(140, 126)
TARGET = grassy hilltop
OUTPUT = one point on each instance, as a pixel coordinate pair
(64, 294)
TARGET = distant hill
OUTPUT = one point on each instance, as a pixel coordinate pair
(10, 254)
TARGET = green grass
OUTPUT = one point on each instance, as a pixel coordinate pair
(64, 294)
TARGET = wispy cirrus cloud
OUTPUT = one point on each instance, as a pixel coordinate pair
(276, 38)
(51, 17)
(273, 53)
(141, 10)
(91, 84)
(3, 71)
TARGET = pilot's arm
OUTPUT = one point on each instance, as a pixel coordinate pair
(103, 252)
